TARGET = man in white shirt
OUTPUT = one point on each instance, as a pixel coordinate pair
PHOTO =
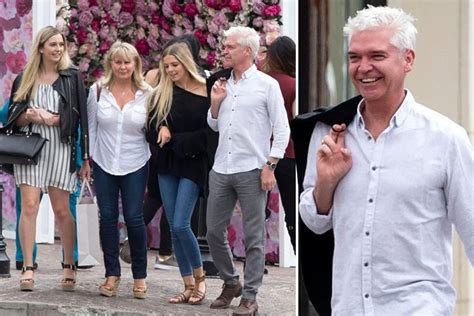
(391, 183)
(247, 110)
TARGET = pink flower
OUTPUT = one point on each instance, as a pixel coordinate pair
(12, 40)
(104, 47)
(167, 8)
(177, 31)
(128, 6)
(85, 18)
(125, 19)
(153, 43)
(95, 25)
(141, 21)
(199, 23)
(271, 11)
(211, 58)
(23, 7)
(84, 64)
(97, 73)
(81, 35)
(8, 10)
(165, 36)
(142, 47)
(176, 8)
(190, 9)
(270, 26)
(16, 61)
(93, 3)
(258, 7)
(211, 41)
(201, 37)
(187, 24)
(235, 5)
(82, 5)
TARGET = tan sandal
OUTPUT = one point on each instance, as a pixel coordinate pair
(184, 296)
(69, 284)
(27, 284)
(109, 287)
(197, 294)
(139, 291)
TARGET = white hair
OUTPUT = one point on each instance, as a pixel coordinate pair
(247, 37)
(393, 18)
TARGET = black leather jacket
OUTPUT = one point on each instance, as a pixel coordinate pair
(72, 110)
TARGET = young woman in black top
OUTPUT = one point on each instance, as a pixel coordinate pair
(177, 126)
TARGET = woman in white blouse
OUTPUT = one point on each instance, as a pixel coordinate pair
(120, 153)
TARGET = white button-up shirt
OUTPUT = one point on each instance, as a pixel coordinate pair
(117, 136)
(252, 110)
(393, 212)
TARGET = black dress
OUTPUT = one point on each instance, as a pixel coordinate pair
(185, 155)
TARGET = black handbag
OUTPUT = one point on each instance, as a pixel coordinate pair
(22, 148)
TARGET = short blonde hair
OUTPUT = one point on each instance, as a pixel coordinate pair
(128, 52)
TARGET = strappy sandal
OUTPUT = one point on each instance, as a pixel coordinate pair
(198, 294)
(139, 291)
(69, 284)
(184, 296)
(109, 288)
(29, 283)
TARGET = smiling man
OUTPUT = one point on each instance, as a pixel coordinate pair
(391, 182)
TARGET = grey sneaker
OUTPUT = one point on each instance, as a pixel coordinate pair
(166, 263)
(125, 252)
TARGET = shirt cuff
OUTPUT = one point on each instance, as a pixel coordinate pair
(318, 223)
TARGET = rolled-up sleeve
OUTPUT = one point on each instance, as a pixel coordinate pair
(212, 122)
(279, 120)
(318, 223)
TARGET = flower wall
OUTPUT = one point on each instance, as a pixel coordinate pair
(91, 26)
(15, 41)
(15, 44)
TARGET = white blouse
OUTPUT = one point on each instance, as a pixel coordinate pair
(117, 136)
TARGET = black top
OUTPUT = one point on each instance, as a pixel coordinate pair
(185, 154)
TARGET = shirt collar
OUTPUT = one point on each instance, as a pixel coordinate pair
(248, 73)
(398, 118)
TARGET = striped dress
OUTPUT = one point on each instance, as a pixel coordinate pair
(52, 169)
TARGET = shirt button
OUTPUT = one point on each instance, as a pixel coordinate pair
(367, 233)
(366, 295)
(371, 200)
(232, 110)
(230, 124)
(229, 152)
(230, 138)
(366, 264)
(369, 137)
(374, 168)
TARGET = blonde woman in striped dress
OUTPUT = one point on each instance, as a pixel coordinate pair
(49, 97)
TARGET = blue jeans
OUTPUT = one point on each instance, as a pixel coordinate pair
(179, 197)
(132, 189)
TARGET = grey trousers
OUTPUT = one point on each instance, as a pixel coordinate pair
(224, 191)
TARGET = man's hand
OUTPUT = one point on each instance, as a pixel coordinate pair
(267, 179)
(333, 162)
(218, 93)
(164, 136)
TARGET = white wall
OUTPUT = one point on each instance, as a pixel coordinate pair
(443, 79)
(289, 18)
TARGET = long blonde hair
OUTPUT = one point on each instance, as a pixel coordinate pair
(28, 84)
(128, 52)
(161, 98)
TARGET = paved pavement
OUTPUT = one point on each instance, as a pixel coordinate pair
(277, 295)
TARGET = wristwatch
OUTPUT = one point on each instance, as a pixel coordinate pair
(271, 165)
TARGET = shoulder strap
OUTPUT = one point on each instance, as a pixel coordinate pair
(99, 90)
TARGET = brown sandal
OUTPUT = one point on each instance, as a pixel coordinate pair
(109, 287)
(29, 283)
(139, 291)
(197, 294)
(184, 296)
(69, 284)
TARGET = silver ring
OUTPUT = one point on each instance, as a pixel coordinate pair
(322, 141)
